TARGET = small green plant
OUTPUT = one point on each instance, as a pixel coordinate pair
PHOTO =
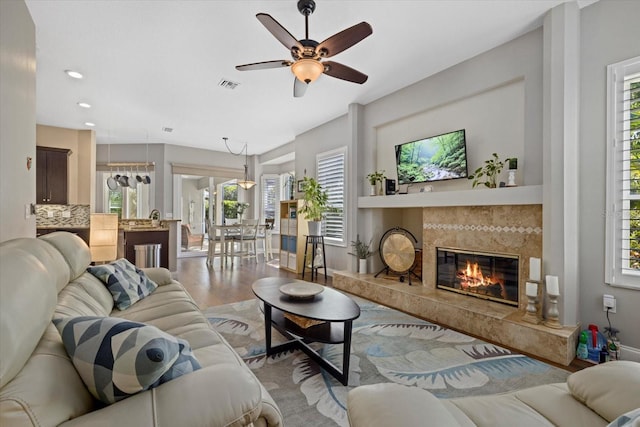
(315, 200)
(361, 249)
(241, 207)
(489, 171)
(376, 177)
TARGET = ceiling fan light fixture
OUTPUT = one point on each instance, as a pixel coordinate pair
(307, 70)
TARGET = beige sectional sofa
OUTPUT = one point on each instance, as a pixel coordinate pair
(46, 278)
(596, 396)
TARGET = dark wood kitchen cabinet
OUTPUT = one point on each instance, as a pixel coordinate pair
(51, 175)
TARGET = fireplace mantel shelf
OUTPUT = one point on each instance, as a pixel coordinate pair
(525, 195)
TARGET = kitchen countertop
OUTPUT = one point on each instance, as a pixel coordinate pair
(143, 228)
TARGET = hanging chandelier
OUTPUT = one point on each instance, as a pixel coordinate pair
(245, 183)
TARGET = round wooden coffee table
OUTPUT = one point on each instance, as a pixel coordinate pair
(335, 310)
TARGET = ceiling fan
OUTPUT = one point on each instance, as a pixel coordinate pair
(307, 53)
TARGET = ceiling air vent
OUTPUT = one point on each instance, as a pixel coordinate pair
(168, 130)
(228, 84)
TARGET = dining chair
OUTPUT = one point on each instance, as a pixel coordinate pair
(215, 239)
(247, 239)
(265, 232)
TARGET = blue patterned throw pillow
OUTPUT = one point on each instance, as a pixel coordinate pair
(127, 283)
(117, 358)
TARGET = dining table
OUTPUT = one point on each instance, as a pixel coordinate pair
(230, 234)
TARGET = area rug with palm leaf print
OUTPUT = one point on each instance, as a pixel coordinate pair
(386, 346)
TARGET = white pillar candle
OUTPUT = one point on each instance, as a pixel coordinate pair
(532, 289)
(534, 269)
(553, 288)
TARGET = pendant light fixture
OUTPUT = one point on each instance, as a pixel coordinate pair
(245, 183)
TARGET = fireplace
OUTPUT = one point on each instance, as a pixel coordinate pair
(483, 275)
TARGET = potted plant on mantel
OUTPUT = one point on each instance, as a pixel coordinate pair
(374, 178)
(361, 250)
(490, 171)
(315, 203)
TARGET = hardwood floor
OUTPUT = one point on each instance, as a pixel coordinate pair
(212, 285)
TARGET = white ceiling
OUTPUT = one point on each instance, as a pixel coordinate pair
(154, 64)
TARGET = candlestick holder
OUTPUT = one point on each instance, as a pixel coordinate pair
(540, 302)
(532, 314)
(553, 314)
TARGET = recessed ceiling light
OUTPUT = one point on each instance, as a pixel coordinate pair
(74, 74)
(89, 124)
(84, 105)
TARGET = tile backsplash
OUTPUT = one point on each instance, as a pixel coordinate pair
(62, 216)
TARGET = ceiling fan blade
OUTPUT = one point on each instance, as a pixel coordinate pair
(339, 71)
(344, 40)
(278, 31)
(263, 65)
(299, 88)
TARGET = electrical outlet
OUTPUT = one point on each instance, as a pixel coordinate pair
(609, 303)
(66, 214)
(49, 214)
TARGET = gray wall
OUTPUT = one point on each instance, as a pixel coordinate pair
(508, 78)
(330, 136)
(17, 120)
(609, 34)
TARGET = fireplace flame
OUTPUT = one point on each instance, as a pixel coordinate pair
(472, 277)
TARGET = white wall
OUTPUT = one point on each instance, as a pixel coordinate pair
(609, 34)
(17, 120)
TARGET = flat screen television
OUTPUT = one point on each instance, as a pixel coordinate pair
(430, 159)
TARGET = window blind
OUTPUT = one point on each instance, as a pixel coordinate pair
(623, 174)
(270, 207)
(331, 176)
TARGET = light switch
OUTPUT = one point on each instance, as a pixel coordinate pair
(27, 210)
(66, 214)
(49, 214)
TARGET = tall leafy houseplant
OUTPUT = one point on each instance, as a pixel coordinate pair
(315, 203)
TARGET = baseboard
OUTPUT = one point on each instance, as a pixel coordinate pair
(630, 353)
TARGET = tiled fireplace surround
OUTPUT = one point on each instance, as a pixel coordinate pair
(503, 229)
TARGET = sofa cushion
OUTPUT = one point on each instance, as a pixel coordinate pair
(29, 276)
(117, 358)
(630, 419)
(127, 283)
(386, 405)
(609, 389)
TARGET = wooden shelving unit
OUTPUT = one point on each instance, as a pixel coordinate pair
(292, 235)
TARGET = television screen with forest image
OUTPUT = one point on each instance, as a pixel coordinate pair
(435, 158)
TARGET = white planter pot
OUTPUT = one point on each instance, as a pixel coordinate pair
(315, 228)
(362, 266)
(373, 191)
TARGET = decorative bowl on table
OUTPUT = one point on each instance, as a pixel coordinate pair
(301, 290)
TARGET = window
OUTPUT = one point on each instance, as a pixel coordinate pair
(331, 176)
(127, 202)
(270, 206)
(623, 174)
(229, 201)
